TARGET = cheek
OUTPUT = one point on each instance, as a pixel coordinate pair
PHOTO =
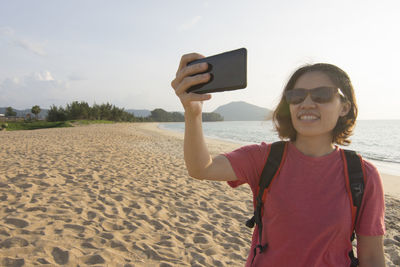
(332, 115)
(292, 110)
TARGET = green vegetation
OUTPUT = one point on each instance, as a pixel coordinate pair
(10, 112)
(36, 110)
(87, 122)
(164, 116)
(80, 113)
(160, 115)
(21, 125)
(34, 125)
(212, 116)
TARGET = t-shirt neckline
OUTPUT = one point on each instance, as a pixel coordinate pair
(299, 155)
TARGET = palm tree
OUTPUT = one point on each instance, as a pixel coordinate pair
(36, 110)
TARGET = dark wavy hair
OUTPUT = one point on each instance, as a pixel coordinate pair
(345, 125)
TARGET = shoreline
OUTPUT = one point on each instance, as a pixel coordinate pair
(385, 167)
(391, 183)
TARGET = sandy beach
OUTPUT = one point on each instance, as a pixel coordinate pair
(119, 195)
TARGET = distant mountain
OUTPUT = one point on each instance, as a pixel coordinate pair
(139, 112)
(23, 112)
(242, 111)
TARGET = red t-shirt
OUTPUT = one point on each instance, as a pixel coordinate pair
(307, 215)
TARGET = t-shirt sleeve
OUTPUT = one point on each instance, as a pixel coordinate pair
(247, 163)
(371, 220)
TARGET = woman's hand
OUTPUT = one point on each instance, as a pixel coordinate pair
(192, 102)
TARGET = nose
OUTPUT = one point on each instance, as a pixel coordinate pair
(308, 102)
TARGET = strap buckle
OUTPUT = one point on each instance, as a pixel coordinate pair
(250, 222)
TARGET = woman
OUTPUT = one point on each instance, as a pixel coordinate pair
(307, 212)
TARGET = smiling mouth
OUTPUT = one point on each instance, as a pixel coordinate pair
(308, 117)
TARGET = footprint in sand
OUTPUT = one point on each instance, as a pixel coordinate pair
(4, 232)
(60, 256)
(24, 186)
(9, 262)
(78, 228)
(130, 226)
(107, 236)
(43, 261)
(112, 226)
(200, 239)
(88, 245)
(16, 222)
(95, 259)
(91, 215)
(38, 208)
(14, 242)
(208, 227)
(118, 245)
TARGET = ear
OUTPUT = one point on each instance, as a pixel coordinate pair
(346, 106)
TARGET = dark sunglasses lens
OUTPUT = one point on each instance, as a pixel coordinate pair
(295, 96)
(322, 94)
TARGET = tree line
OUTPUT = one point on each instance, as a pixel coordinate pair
(11, 113)
(82, 111)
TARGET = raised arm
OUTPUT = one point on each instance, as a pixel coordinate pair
(199, 163)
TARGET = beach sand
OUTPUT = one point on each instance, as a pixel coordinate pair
(119, 195)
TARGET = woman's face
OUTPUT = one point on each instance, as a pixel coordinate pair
(311, 119)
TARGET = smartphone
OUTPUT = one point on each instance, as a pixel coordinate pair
(228, 72)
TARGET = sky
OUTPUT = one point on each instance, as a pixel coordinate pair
(126, 53)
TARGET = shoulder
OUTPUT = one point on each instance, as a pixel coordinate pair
(373, 181)
(372, 212)
(253, 150)
(371, 172)
(247, 163)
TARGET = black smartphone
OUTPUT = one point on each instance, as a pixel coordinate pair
(228, 72)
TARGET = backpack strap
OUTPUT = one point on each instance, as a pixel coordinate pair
(270, 171)
(355, 175)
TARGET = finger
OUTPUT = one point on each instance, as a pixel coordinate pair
(189, 81)
(191, 97)
(188, 58)
(188, 71)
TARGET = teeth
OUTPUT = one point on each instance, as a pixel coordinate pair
(308, 117)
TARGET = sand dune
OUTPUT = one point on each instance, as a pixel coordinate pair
(119, 195)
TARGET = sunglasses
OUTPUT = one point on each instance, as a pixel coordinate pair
(320, 95)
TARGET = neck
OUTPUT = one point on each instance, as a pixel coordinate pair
(314, 146)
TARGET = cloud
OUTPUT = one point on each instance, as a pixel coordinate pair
(38, 88)
(190, 24)
(43, 76)
(33, 47)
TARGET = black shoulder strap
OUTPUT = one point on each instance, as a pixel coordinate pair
(271, 166)
(270, 170)
(355, 176)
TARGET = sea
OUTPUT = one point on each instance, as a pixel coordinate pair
(376, 140)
